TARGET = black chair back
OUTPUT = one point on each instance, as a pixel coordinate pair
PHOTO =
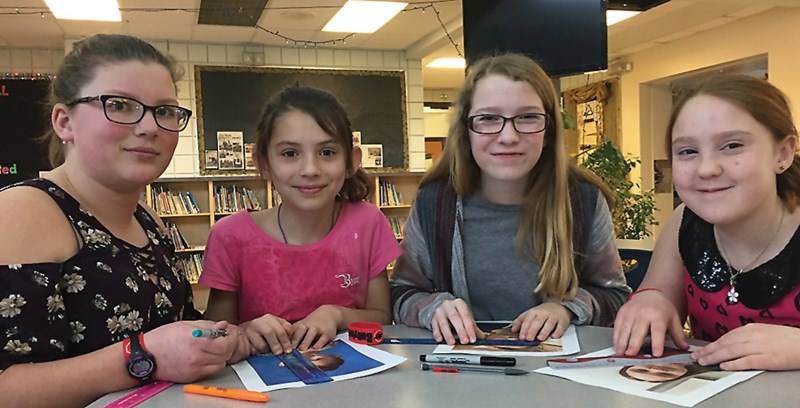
(634, 263)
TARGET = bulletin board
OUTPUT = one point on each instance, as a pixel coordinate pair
(230, 101)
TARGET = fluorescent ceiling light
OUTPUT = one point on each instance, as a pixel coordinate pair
(447, 63)
(615, 16)
(363, 16)
(92, 10)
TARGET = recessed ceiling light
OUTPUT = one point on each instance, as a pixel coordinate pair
(447, 63)
(91, 10)
(358, 16)
(615, 16)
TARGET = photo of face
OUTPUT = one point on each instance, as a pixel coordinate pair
(673, 378)
(505, 333)
(655, 373)
(325, 362)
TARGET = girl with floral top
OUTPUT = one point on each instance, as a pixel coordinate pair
(83, 265)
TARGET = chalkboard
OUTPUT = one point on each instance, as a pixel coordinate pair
(231, 99)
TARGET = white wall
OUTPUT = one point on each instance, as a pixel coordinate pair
(29, 60)
(186, 159)
(645, 99)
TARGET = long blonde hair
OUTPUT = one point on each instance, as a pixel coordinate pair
(545, 233)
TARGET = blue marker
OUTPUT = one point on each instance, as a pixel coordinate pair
(213, 333)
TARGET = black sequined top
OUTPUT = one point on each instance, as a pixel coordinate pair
(769, 293)
(109, 290)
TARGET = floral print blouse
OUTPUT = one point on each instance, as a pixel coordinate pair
(106, 292)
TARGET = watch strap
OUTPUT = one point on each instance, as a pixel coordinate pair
(135, 355)
(126, 345)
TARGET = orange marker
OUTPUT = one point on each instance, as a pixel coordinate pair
(232, 393)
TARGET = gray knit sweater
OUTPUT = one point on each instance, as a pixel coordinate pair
(418, 289)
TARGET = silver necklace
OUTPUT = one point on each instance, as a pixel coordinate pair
(733, 295)
(280, 226)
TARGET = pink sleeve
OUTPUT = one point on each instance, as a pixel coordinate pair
(383, 244)
(219, 269)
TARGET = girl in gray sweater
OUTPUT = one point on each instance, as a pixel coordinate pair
(504, 226)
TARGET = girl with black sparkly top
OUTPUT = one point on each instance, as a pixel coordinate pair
(728, 257)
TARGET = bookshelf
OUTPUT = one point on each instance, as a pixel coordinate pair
(190, 206)
(394, 193)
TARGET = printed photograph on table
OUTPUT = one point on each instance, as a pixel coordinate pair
(371, 155)
(230, 146)
(567, 344)
(341, 360)
(684, 384)
(211, 159)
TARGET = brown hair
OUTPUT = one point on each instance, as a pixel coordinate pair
(767, 104)
(546, 211)
(329, 114)
(79, 66)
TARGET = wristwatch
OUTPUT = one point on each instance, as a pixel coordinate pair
(141, 365)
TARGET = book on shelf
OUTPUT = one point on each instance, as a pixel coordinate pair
(389, 195)
(167, 202)
(397, 223)
(192, 266)
(234, 198)
(177, 237)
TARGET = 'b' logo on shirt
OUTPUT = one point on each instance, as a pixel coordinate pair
(347, 281)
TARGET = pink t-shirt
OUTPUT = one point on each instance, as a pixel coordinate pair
(292, 281)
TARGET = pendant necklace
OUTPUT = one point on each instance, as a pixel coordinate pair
(280, 226)
(733, 295)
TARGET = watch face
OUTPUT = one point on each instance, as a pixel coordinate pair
(140, 366)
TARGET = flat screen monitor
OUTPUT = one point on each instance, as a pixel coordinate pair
(564, 36)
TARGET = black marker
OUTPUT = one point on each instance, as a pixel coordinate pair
(468, 359)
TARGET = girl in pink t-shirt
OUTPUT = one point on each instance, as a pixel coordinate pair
(728, 257)
(294, 274)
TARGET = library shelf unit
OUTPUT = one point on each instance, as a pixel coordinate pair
(394, 194)
(190, 206)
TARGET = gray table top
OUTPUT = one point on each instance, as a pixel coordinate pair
(408, 386)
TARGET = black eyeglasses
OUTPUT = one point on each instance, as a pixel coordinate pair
(128, 111)
(489, 124)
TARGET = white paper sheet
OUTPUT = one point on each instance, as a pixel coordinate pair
(692, 387)
(567, 344)
(265, 373)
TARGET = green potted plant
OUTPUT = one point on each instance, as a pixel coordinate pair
(633, 212)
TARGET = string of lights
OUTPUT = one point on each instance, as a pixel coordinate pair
(413, 6)
(441, 23)
(26, 76)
